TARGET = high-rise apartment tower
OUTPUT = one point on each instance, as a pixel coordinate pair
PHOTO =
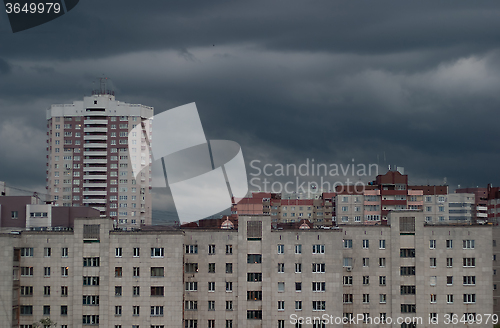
(88, 157)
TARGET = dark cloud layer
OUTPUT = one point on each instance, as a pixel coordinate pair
(415, 83)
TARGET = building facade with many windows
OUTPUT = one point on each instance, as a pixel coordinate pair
(89, 157)
(258, 275)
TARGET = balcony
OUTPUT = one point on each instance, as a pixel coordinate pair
(95, 153)
(95, 129)
(95, 145)
(94, 185)
(95, 122)
(95, 137)
(95, 201)
(96, 161)
(95, 177)
(95, 169)
(95, 193)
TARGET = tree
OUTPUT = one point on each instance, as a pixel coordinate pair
(44, 323)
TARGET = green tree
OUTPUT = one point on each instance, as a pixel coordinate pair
(44, 323)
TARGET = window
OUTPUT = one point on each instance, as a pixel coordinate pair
(449, 298)
(118, 290)
(432, 261)
(229, 323)
(298, 249)
(229, 249)
(432, 244)
(90, 319)
(26, 271)
(254, 314)
(191, 267)
(46, 271)
(157, 311)
(281, 287)
(382, 298)
(433, 280)
(254, 295)
(156, 252)
(211, 323)
(254, 258)
(90, 261)
(449, 262)
(211, 267)
(191, 324)
(298, 267)
(449, 243)
(136, 291)
(320, 249)
(118, 310)
(211, 305)
(347, 262)
(366, 262)
(135, 272)
(298, 286)
(229, 305)
(347, 298)
(46, 290)
(366, 243)
(408, 290)
(469, 298)
(381, 262)
(229, 286)
(382, 280)
(433, 298)
(381, 244)
(298, 306)
(281, 305)
(211, 286)
(366, 298)
(449, 280)
(211, 249)
(469, 280)
(366, 280)
(26, 309)
(318, 267)
(118, 272)
(14, 214)
(229, 267)
(26, 290)
(347, 280)
(64, 310)
(469, 262)
(281, 249)
(157, 272)
(91, 281)
(118, 252)
(136, 252)
(254, 276)
(468, 244)
(191, 286)
(408, 271)
(408, 308)
(26, 252)
(318, 305)
(135, 310)
(347, 243)
(46, 310)
(191, 305)
(64, 271)
(90, 299)
(320, 286)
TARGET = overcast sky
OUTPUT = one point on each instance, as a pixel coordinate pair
(418, 81)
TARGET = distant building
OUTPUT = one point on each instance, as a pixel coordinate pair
(88, 157)
(480, 208)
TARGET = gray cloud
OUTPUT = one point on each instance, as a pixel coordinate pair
(328, 80)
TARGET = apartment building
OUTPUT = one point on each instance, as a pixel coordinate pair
(257, 275)
(88, 157)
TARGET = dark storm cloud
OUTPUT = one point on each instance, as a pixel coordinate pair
(288, 80)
